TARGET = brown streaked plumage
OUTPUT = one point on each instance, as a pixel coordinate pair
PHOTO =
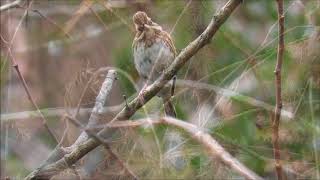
(153, 52)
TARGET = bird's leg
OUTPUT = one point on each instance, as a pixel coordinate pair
(173, 85)
(126, 101)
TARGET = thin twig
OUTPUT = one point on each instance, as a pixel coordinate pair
(98, 107)
(84, 7)
(15, 65)
(54, 112)
(100, 19)
(213, 147)
(44, 121)
(60, 152)
(51, 22)
(105, 144)
(92, 78)
(65, 132)
(11, 117)
(150, 92)
(316, 158)
(107, 6)
(277, 111)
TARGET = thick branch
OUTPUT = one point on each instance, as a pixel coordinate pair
(94, 116)
(152, 89)
(8, 6)
(104, 143)
(213, 147)
(94, 119)
(277, 111)
(98, 109)
(99, 104)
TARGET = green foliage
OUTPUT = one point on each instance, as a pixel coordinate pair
(197, 162)
(4, 69)
(180, 113)
(12, 164)
(123, 60)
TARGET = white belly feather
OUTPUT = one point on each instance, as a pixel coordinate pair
(151, 61)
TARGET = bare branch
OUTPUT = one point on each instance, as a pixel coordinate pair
(15, 65)
(7, 118)
(98, 107)
(23, 81)
(8, 6)
(93, 120)
(84, 7)
(277, 110)
(213, 147)
(232, 94)
(105, 144)
(149, 92)
(53, 112)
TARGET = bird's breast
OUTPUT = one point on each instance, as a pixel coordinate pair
(153, 59)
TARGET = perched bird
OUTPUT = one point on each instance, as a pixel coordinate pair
(153, 52)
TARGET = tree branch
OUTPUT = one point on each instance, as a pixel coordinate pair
(277, 111)
(105, 89)
(8, 6)
(15, 65)
(27, 90)
(51, 112)
(149, 92)
(213, 147)
(87, 130)
(98, 107)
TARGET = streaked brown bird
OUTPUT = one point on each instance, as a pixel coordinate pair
(153, 52)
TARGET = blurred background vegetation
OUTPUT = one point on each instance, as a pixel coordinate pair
(60, 45)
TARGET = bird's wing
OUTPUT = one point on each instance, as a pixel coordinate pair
(169, 41)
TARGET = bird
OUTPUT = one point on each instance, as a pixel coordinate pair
(153, 52)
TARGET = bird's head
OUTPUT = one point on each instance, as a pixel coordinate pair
(141, 20)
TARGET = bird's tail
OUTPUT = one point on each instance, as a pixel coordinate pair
(169, 108)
